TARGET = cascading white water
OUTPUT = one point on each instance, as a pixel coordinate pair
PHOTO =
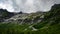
(27, 6)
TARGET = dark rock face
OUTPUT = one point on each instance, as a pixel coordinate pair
(53, 16)
(27, 20)
(4, 14)
(56, 6)
(20, 12)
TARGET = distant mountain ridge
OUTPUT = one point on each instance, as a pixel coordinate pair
(26, 18)
(18, 17)
(4, 14)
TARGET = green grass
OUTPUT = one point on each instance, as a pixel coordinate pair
(11, 28)
(19, 29)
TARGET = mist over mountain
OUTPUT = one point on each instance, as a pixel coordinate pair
(27, 6)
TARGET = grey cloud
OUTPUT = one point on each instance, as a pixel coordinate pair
(29, 6)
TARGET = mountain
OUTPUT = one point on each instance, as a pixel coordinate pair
(21, 18)
(25, 18)
(51, 22)
(4, 14)
(43, 23)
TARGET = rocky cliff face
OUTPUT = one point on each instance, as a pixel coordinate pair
(21, 18)
(25, 18)
(4, 14)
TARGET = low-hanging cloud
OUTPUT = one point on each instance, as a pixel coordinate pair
(27, 6)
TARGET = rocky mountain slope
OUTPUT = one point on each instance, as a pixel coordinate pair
(50, 23)
(4, 14)
(21, 18)
(25, 18)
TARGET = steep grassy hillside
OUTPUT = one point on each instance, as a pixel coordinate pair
(51, 22)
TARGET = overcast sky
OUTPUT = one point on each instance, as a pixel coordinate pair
(27, 6)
